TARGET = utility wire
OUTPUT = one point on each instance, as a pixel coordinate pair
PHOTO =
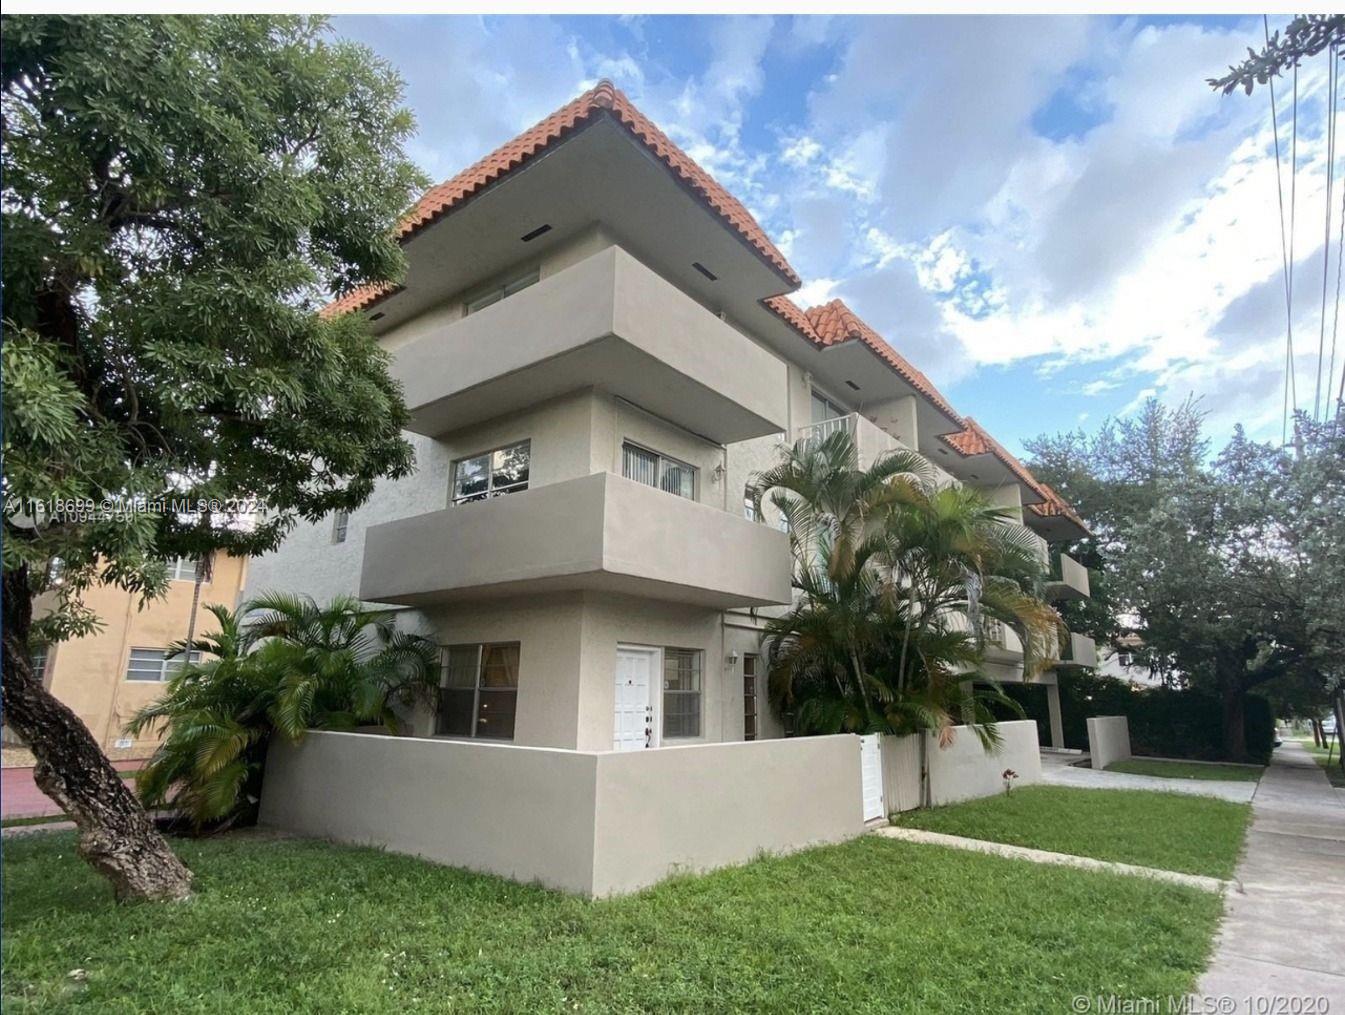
(1284, 250)
(1335, 322)
(1326, 236)
(1293, 221)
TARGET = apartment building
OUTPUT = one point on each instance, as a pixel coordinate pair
(108, 676)
(598, 350)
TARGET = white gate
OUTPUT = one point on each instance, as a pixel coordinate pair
(871, 774)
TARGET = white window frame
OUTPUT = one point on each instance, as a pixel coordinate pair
(184, 569)
(750, 511)
(167, 665)
(444, 656)
(664, 692)
(500, 289)
(663, 460)
(491, 490)
(340, 525)
(39, 658)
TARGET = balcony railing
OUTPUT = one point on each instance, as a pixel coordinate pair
(821, 431)
(1069, 579)
(1077, 650)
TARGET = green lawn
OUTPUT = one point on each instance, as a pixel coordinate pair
(1331, 768)
(1187, 770)
(872, 925)
(1171, 831)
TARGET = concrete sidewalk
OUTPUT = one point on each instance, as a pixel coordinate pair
(1283, 934)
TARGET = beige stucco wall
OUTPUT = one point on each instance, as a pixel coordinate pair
(962, 771)
(593, 823)
(1108, 739)
(89, 674)
(698, 808)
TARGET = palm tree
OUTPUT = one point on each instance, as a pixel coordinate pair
(279, 663)
(894, 577)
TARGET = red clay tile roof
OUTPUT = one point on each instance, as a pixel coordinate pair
(834, 322)
(603, 99)
(1056, 506)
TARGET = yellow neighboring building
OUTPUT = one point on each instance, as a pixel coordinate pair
(108, 676)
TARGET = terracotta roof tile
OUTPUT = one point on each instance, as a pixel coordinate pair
(1056, 506)
(836, 322)
(603, 99)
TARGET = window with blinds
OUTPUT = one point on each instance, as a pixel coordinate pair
(659, 471)
(681, 693)
(155, 664)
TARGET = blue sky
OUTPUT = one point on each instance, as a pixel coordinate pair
(1053, 217)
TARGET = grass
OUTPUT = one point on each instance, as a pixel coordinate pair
(871, 925)
(1187, 770)
(1332, 767)
(1170, 831)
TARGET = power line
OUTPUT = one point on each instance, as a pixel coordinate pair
(1331, 83)
(1284, 251)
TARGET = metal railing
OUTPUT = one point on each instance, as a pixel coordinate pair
(824, 429)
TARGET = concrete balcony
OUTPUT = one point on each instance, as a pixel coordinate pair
(1077, 650)
(607, 322)
(597, 533)
(1069, 579)
(871, 441)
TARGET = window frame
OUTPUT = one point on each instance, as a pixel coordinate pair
(175, 569)
(168, 664)
(340, 526)
(662, 461)
(699, 656)
(501, 288)
(750, 511)
(39, 658)
(754, 712)
(831, 403)
(444, 670)
(491, 491)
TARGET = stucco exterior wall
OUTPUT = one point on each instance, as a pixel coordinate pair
(593, 823)
(89, 674)
(1108, 739)
(962, 771)
(698, 808)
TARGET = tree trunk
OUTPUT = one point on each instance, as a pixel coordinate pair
(1235, 730)
(116, 836)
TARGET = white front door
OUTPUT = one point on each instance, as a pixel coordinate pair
(635, 728)
(871, 774)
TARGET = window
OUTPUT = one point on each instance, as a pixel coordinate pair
(493, 474)
(750, 511)
(681, 693)
(37, 659)
(501, 290)
(480, 691)
(824, 408)
(992, 631)
(153, 664)
(184, 569)
(652, 469)
(340, 526)
(750, 663)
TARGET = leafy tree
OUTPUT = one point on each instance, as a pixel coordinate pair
(1113, 476)
(1304, 36)
(279, 664)
(1228, 568)
(180, 194)
(894, 576)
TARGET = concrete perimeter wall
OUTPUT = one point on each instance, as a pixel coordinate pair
(964, 770)
(594, 823)
(1108, 739)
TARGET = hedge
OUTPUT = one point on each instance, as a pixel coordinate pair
(1164, 723)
